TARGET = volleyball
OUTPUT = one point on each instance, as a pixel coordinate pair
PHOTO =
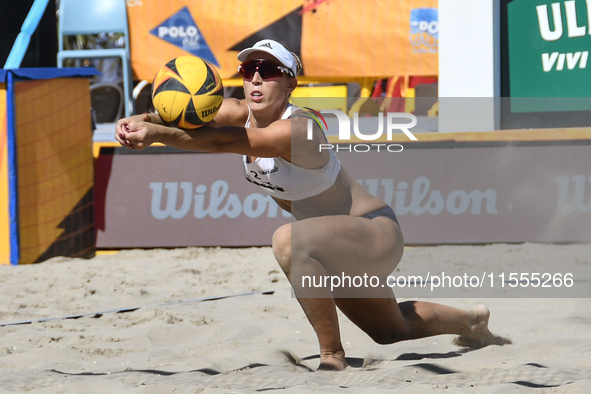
(187, 92)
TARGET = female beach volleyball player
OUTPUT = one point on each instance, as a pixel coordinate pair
(340, 228)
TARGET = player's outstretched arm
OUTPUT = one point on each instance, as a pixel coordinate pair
(233, 112)
(271, 141)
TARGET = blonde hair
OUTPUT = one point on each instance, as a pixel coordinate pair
(298, 63)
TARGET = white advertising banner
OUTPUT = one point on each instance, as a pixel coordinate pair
(442, 192)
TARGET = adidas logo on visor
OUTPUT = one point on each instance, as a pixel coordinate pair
(266, 44)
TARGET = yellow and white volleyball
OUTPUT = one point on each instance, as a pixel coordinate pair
(187, 92)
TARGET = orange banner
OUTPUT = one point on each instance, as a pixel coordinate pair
(337, 38)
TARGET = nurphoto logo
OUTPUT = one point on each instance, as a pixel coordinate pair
(344, 123)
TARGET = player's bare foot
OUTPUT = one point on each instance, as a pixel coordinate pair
(477, 334)
(332, 362)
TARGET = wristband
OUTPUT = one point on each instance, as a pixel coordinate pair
(147, 117)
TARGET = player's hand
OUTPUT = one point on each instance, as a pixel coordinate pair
(135, 133)
(123, 125)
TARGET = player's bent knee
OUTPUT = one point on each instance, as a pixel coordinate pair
(282, 246)
(387, 338)
(391, 334)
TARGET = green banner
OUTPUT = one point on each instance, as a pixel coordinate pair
(549, 45)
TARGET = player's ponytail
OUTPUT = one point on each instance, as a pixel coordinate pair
(298, 63)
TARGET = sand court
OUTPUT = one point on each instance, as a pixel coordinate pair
(264, 342)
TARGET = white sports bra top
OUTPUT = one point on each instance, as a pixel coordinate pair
(288, 181)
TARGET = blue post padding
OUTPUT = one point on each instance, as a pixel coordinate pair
(21, 44)
(10, 77)
(12, 170)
